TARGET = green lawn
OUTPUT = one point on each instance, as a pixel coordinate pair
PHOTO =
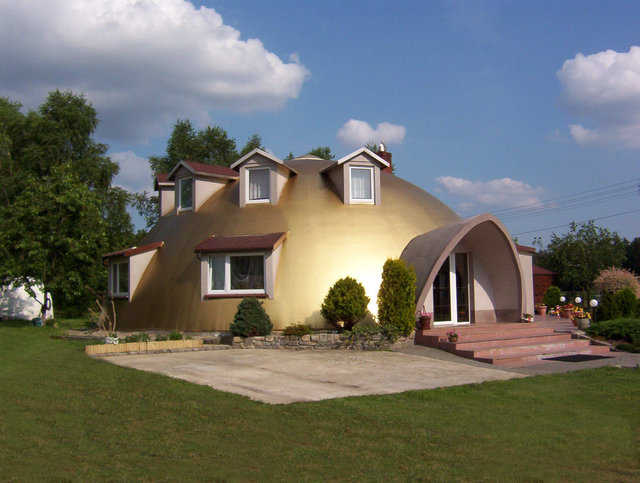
(66, 416)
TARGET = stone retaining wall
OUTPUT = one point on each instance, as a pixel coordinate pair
(320, 341)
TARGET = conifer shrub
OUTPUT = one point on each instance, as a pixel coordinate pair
(346, 302)
(251, 319)
(396, 297)
(608, 308)
(626, 301)
(552, 296)
(297, 329)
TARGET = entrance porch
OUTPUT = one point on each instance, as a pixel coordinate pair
(512, 344)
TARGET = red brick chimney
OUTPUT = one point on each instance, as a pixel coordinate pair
(386, 155)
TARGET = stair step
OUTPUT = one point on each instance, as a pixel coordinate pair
(505, 342)
(524, 350)
(507, 334)
(540, 358)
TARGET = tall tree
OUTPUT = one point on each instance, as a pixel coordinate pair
(578, 256)
(632, 261)
(59, 211)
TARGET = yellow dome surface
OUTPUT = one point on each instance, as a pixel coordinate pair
(326, 240)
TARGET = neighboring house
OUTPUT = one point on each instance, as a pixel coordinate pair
(542, 280)
(287, 231)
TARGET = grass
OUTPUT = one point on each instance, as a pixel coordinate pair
(66, 416)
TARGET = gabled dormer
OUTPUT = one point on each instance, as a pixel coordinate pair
(262, 177)
(196, 182)
(356, 177)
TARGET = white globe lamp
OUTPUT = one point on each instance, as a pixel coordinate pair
(593, 303)
(563, 299)
(578, 300)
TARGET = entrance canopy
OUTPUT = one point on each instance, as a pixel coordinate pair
(496, 284)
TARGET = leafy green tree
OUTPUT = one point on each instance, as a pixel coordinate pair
(147, 205)
(323, 152)
(289, 157)
(580, 255)
(254, 142)
(54, 233)
(632, 261)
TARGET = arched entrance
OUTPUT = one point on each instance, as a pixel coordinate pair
(467, 272)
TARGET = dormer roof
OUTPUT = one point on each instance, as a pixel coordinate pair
(374, 157)
(206, 170)
(265, 154)
(162, 179)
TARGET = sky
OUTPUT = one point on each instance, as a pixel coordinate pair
(491, 106)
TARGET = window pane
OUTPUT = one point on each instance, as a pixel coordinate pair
(216, 265)
(247, 272)
(186, 193)
(123, 277)
(258, 184)
(442, 294)
(361, 184)
(462, 287)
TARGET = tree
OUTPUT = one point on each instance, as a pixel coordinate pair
(55, 179)
(580, 255)
(54, 233)
(632, 261)
(254, 142)
(323, 152)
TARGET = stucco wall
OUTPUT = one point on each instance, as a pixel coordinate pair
(526, 263)
(204, 188)
(167, 200)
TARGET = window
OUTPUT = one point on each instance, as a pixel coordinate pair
(185, 194)
(258, 185)
(119, 279)
(236, 274)
(361, 184)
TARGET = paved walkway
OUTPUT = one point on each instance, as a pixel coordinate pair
(282, 376)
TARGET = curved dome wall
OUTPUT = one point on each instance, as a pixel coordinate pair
(326, 240)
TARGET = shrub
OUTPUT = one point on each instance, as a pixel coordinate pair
(346, 302)
(618, 329)
(552, 296)
(251, 319)
(161, 337)
(297, 329)
(626, 301)
(175, 335)
(608, 308)
(141, 337)
(614, 279)
(396, 297)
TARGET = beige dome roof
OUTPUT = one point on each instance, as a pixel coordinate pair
(326, 240)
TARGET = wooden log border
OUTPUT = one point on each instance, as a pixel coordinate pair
(163, 345)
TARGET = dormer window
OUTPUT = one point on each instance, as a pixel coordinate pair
(185, 194)
(362, 185)
(258, 186)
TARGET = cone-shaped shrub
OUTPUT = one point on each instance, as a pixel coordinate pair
(251, 319)
(396, 297)
(346, 302)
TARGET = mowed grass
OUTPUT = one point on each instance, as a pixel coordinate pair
(66, 416)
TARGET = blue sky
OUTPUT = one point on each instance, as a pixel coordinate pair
(496, 106)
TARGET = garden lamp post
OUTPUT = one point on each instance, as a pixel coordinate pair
(563, 299)
(593, 303)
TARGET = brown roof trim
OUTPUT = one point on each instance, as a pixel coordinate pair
(129, 252)
(206, 170)
(523, 248)
(162, 179)
(240, 243)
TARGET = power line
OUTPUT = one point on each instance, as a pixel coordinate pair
(577, 222)
(572, 198)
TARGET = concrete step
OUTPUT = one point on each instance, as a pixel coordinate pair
(475, 345)
(573, 345)
(532, 359)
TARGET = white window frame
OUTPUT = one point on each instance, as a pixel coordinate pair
(114, 279)
(193, 192)
(248, 185)
(368, 201)
(227, 274)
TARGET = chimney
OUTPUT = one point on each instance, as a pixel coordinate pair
(386, 155)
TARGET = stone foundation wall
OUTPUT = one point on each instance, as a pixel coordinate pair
(320, 341)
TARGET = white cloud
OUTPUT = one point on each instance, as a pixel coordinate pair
(495, 193)
(358, 133)
(142, 63)
(605, 89)
(135, 174)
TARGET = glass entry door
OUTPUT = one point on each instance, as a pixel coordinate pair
(451, 291)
